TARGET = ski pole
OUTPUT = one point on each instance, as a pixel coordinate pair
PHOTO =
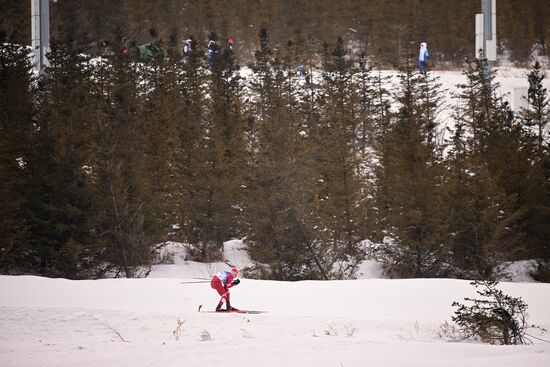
(196, 282)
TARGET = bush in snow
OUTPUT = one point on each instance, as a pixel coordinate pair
(496, 318)
(204, 251)
(542, 272)
(402, 262)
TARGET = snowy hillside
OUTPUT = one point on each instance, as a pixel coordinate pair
(513, 88)
(155, 321)
(175, 264)
(173, 256)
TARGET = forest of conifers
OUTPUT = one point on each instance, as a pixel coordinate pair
(102, 158)
(390, 28)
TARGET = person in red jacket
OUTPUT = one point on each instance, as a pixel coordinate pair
(221, 282)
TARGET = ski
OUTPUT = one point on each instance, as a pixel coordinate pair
(249, 312)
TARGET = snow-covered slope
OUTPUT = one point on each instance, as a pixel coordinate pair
(154, 322)
(176, 265)
(173, 256)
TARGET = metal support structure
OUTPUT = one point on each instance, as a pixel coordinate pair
(486, 30)
(480, 41)
(40, 12)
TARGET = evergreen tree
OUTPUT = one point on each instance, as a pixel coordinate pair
(483, 182)
(495, 318)
(410, 180)
(123, 221)
(378, 174)
(537, 115)
(161, 104)
(191, 162)
(277, 195)
(340, 174)
(224, 152)
(367, 105)
(58, 203)
(373, 120)
(17, 106)
(535, 196)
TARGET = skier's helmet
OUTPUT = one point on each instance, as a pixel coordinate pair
(234, 271)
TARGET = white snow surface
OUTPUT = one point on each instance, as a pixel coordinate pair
(234, 254)
(155, 321)
(513, 86)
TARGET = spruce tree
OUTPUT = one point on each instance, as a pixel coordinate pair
(18, 109)
(224, 152)
(191, 162)
(378, 174)
(340, 177)
(537, 115)
(373, 118)
(367, 105)
(161, 106)
(59, 205)
(536, 190)
(484, 210)
(122, 220)
(276, 206)
(410, 177)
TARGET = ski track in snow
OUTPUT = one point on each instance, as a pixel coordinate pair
(82, 338)
(134, 322)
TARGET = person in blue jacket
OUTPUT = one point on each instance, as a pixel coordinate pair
(211, 53)
(423, 58)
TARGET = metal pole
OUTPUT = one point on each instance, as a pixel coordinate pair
(480, 41)
(486, 29)
(486, 10)
(45, 30)
(40, 38)
(35, 42)
(492, 40)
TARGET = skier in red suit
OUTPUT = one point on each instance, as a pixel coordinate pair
(221, 282)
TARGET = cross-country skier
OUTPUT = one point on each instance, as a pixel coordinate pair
(423, 58)
(221, 282)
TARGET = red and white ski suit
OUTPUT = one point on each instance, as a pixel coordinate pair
(221, 282)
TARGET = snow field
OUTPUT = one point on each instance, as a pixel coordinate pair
(134, 322)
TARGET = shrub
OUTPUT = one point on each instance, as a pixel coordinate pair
(542, 272)
(496, 318)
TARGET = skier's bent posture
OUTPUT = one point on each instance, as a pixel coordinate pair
(221, 282)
